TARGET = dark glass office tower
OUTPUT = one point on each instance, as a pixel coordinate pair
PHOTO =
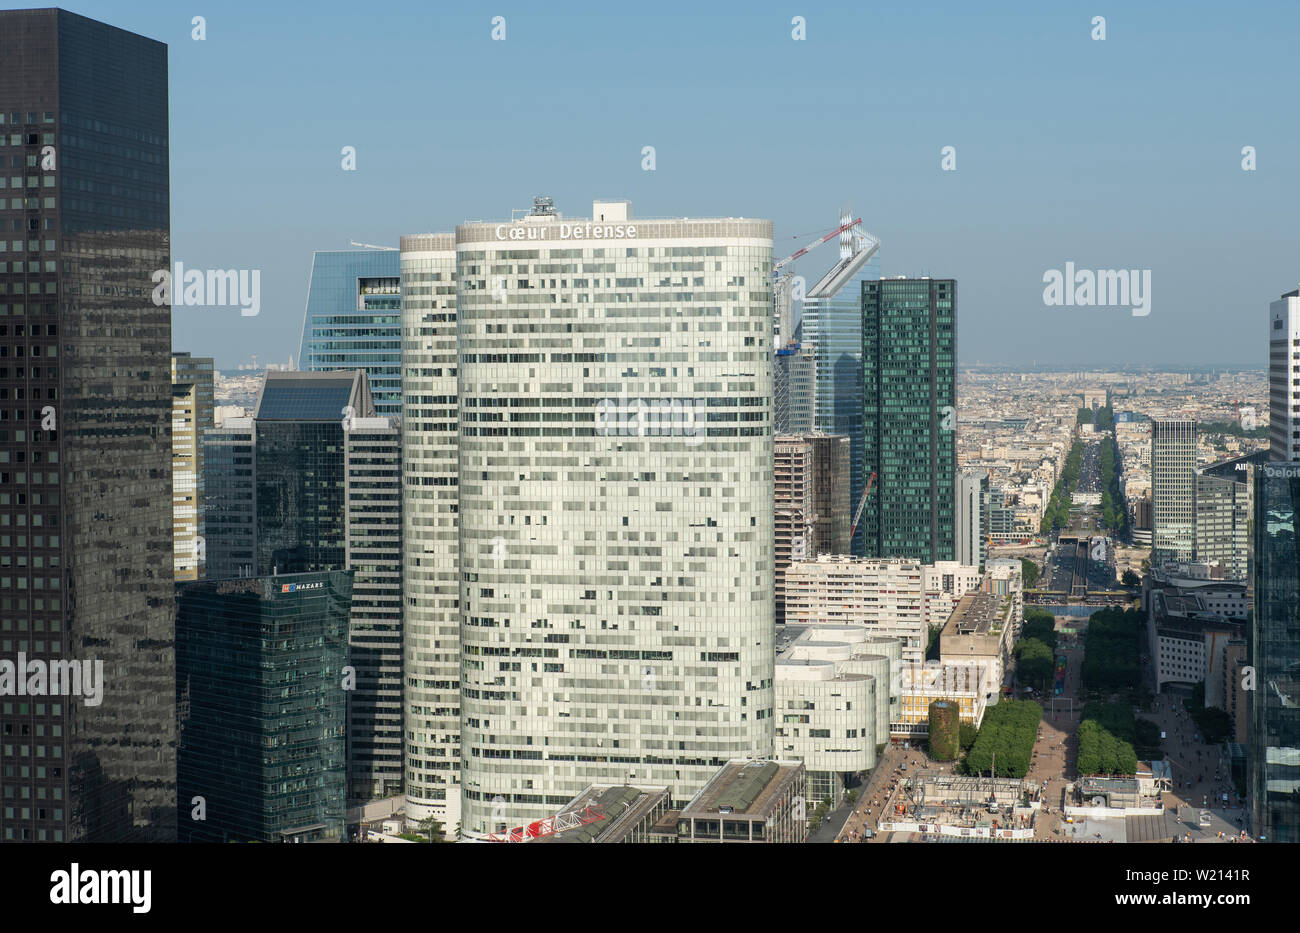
(327, 495)
(85, 428)
(300, 475)
(259, 665)
(909, 365)
(1274, 757)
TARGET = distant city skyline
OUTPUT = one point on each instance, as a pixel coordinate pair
(1072, 150)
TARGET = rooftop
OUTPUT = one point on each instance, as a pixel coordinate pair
(744, 787)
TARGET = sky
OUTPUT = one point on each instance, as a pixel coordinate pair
(1119, 153)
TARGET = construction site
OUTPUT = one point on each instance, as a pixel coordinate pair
(937, 805)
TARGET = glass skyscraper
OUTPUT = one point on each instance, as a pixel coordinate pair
(230, 500)
(909, 386)
(354, 320)
(259, 686)
(832, 327)
(85, 428)
(1274, 756)
(327, 495)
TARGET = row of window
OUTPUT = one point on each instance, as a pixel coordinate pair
(16, 117)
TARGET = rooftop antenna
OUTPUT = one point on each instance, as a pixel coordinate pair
(543, 206)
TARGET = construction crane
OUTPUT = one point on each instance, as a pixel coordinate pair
(593, 813)
(782, 284)
(857, 516)
(782, 263)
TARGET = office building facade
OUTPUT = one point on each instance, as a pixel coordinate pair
(887, 597)
(191, 420)
(909, 360)
(1223, 515)
(230, 499)
(373, 504)
(615, 504)
(328, 497)
(1274, 754)
(1173, 490)
(354, 320)
(259, 684)
(831, 327)
(431, 540)
(1284, 378)
(973, 520)
(85, 459)
(812, 502)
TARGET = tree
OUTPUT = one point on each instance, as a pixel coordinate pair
(1131, 579)
(945, 731)
(1029, 571)
(434, 829)
(1035, 662)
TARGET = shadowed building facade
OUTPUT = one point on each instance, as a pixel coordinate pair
(85, 441)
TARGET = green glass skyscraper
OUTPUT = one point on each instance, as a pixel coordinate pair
(261, 695)
(909, 402)
(1274, 756)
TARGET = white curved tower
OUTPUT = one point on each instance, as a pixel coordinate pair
(431, 689)
(615, 505)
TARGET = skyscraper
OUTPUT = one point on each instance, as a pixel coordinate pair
(430, 502)
(86, 516)
(909, 362)
(259, 683)
(794, 377)
(354, 320)
(1274, 757)
(191, 419)
(1173, 488)
(831, 330)
(615, 504)
(794, 511)
(1284, 377)
(832, 480)
(973, 501)
(812, 503)
(230, 499)
(1223, 513)
(328, 497)
(373, 474)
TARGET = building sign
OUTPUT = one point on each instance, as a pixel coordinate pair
(587, 231)
(295, 587)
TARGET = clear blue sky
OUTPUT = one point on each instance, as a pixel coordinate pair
(1124, 153)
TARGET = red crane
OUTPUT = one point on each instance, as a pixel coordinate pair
(834, 233)
(857, 516)
(551, 825)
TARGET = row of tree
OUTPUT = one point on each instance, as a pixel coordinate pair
(1103, 419)
(1114, 510)
(1007, 736)
(1102, 752)
(1111, 650)
(1036, 650)
(1057, 513)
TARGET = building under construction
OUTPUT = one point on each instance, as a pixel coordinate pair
(818, 358)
